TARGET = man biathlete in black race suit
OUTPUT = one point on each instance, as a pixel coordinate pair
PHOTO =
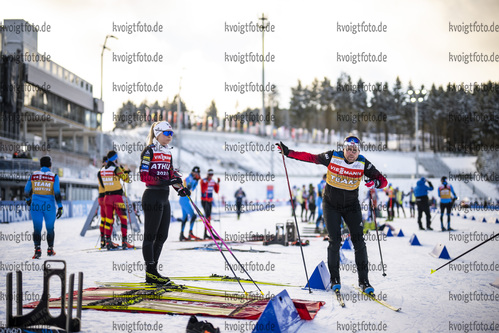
(341, 199)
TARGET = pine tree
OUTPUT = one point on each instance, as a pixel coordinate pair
(326, 97)
(359, 106)
(297, 106)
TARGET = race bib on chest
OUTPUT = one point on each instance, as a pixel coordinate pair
(160, 164)
(345, 176)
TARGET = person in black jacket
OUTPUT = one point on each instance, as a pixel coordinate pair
(239, 195)
(340, 200)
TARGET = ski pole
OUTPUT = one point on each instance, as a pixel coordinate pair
(377, 234)
(213, 237)
(491, 237)
(212, 230)
(233, 255)
(296, 222)
(434, 216)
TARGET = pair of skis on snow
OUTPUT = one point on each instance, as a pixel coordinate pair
(371, 295)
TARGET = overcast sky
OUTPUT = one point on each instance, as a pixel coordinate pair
(305, 44)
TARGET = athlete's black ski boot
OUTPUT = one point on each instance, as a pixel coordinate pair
(125, 245)
(335, 284)
(110, 245)
(153, 276)
(182, 237)
(38, 253)
(366, 287)
(194, 237)
(50, 251)
(195, 326)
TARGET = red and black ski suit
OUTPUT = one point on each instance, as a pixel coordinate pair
(156, 170)
(341, 200)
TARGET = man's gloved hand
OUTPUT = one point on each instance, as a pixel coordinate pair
(28, 201)
(377, 183)
(59, 212)
(282, 148)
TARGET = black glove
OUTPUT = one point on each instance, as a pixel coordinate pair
(282, 147)
(59, 213)
(429, 183)
(28, 201)
(184, 191)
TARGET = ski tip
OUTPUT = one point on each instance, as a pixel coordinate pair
(433, 271)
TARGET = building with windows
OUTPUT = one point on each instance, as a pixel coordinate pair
(45, 109)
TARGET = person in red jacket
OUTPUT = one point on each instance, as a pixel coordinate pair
(102, 194)
(345, 170)
(110, 177)
(208, 186)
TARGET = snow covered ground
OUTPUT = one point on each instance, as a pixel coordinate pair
(458, 295)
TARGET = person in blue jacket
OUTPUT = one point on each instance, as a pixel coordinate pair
(40, 191)
(320, 190)
(421, 194)
(190, 182)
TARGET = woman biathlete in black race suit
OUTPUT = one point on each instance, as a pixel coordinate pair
(341, 199)
(156, 170)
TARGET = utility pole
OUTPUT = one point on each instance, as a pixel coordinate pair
(263, 26)
(102, 62)
(179, 122)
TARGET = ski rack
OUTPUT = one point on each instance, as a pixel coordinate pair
(281, 236)
(41, 314)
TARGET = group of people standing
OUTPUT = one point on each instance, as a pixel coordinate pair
(310, 200)
(208, 187)
(418, 196)
(447, 199)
